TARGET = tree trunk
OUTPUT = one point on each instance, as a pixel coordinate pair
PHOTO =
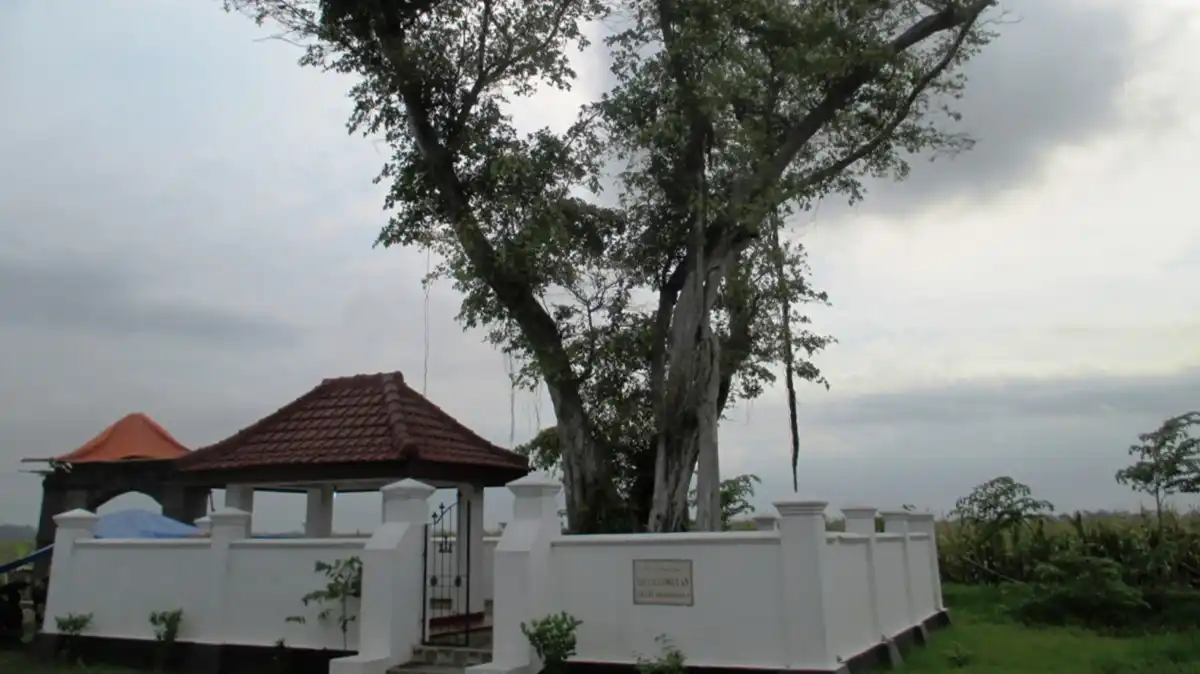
(641, 492)
(593, 505)
(688, 427)
(708, 467)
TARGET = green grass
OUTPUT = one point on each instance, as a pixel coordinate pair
(984, 641)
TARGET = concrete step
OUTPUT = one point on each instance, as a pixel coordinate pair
(451, 656)
(422, 668)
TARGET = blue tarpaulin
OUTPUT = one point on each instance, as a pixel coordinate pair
(124, 524)
(142, 524)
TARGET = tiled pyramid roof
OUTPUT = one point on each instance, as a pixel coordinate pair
(134, 436)
(358, 419)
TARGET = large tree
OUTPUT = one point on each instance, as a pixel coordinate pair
(1167, 461)
(645, 318)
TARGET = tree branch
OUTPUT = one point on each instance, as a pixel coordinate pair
(885, 134)
(737, 343)
(840, 93)
(513, 292)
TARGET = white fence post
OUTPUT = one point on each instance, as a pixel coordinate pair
(766, 522)
(227, 525)
(71, 526)
(389, 618)
(923, 523)
(806, 595)
(394, 573)
(896, 522)
(860, 520)
(521, 578)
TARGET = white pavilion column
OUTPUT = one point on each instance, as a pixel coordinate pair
(240, 497)
(468, 544)
(318, 515)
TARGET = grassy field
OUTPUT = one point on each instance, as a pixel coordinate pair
(10, 550)
(984, 641)
(981, 641)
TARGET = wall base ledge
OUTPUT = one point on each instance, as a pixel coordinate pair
(886, 654)
(193, 657)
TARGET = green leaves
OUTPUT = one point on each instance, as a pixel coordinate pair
(727, 117)
(552, 638)
(343, 582)
(1168, 460)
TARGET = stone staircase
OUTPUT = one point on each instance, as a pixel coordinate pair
(450, 652)
(445, 659)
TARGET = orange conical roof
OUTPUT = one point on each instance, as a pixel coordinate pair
(135, 436)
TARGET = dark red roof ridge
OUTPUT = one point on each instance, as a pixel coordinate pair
(457, 425)
(357, 418)
(395, 413)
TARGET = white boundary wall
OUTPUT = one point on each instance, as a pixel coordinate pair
(789, 596)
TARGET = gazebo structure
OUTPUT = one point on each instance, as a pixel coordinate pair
(360, 433)
(135, 454)
(349, 434)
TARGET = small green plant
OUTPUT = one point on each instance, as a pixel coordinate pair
(71, 626)
(959, 656)
(553, 639)
(670, 659)
(280, 657)
(166, 626)
(343, 582)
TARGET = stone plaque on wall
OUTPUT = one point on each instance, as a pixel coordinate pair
(665, 582)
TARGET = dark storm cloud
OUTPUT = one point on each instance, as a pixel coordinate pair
(85, 298)
(1027, 399)
(1054, 77)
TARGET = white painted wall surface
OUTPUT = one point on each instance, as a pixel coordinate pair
(736, 618)
(850, 612)
(120, 582)
(791, 596)
(266, 579)
(920, 575)
(889, 551)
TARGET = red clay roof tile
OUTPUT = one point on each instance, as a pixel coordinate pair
(363, 418)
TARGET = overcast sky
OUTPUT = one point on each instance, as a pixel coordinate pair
(187, 232)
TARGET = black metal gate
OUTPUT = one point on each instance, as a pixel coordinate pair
(447, 589)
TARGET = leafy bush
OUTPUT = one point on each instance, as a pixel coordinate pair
(1108, 571)
(166, 625)
(1085, 590)
(1146, 554)
(553, 639)
(71, 626)
(671, 660)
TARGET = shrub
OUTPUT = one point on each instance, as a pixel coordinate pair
(553, 639)
(1083, 590)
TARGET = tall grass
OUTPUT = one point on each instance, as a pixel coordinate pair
(1148, 552)
(1116, 572)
